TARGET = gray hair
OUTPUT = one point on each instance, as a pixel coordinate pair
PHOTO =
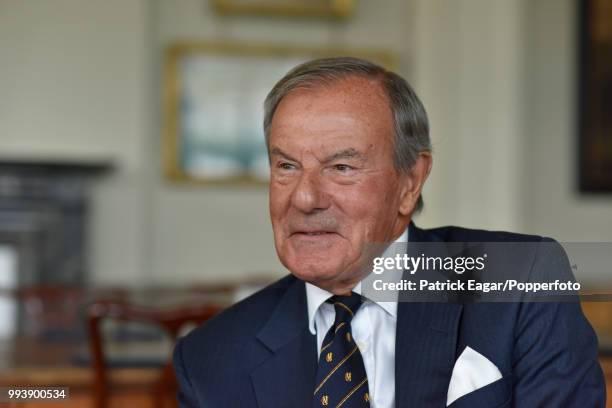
(411, 124)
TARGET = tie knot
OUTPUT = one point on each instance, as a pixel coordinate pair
(346, 306)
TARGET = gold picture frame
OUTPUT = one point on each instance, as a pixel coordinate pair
(294, 8)
(213, 107)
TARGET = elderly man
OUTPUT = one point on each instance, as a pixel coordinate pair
(349, 154)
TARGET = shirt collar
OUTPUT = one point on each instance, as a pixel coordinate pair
(315, 296)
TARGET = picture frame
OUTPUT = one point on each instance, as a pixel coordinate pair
(213, 107)
(292, 8)
(595, 97)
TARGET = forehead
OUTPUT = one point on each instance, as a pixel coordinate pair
(355, 106)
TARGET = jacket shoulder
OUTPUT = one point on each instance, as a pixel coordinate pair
(460, 234)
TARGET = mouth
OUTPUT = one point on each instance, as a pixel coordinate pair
(313, 235)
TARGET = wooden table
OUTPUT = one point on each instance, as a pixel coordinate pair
(34, 363)
(130, 386)
(39, 361)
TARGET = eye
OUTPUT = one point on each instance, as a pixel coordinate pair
(343, 167)
(285, 166)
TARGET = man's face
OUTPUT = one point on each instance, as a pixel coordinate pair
(334, 188)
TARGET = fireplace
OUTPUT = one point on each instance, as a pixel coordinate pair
(44, 218)
(43, 235)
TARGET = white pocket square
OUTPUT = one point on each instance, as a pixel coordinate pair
(472, 371)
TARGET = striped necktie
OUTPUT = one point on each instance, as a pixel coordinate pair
(341, 376)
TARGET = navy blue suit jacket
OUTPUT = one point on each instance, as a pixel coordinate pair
(260, 353)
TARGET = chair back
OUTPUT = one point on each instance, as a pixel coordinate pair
(171, 320)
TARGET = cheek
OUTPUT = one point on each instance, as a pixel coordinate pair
(368, 208)
(366, 200)
(278, 200)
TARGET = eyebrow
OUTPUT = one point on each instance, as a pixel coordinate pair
(275, 151)
(349, 153)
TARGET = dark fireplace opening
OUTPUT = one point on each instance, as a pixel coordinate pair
(44, 217)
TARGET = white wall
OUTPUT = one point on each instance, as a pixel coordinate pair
(72, 79)
(82, 79)
(499, 81)
(74, 85)
(467, 68)
(553, 205)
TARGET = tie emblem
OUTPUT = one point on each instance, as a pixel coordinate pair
(348, 376)
(325, 400)
(329, 357)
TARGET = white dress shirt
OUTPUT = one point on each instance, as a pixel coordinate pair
(373, 330)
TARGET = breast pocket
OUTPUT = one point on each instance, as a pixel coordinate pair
(498, 394)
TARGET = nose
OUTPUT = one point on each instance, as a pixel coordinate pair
(308, 195)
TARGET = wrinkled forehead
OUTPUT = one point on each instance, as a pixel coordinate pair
(351, 88)
(352, 107)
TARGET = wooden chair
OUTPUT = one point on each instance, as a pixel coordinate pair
(170, 320)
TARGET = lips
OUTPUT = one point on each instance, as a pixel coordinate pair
(314, 236)
(313, 233)
(323, 227)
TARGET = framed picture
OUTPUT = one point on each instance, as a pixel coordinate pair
(214, 95)
(306, 8)
(595, 119)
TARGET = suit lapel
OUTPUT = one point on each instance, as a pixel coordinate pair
(425, 348)
(286, 378)
(425, 352)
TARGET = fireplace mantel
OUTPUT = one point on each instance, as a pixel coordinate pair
(53, 168)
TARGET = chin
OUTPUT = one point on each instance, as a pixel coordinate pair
(316, 277)
(316, 259)
(314, 269)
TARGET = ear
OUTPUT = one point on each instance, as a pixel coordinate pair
(412, 183)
